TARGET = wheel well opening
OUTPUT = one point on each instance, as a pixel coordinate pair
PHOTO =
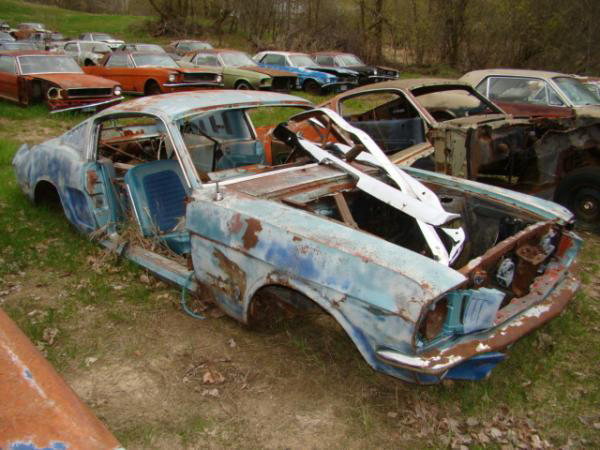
(273, 304)
(46, 194)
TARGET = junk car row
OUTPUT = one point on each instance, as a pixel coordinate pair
(369, 207)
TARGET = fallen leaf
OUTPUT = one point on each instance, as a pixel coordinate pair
(212, 377)
(232, 343)
(392, 414)
(49, 335)
(144, 278)
(210, 392)
(90, 360)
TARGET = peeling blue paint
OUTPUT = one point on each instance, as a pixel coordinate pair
(28, 445)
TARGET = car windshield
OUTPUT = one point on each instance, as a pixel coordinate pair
(48, 64)
(17, 46)
(348, 60)
(102, 37)
(37, 26)
(302, 61)
(150, 48)
(576, 92)
(451, 102)
(57, 37)
(237, 59)
(198, 45)
(97, 47)
(154, 60)
(6, 37)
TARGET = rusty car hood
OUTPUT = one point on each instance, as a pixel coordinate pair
(267, 71)
(74, 80)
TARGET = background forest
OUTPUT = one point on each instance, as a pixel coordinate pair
(559, 35)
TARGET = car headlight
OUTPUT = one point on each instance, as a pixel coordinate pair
(54, 93)
(172, 77)
(375, 72)
(117, 90)
(265, 81)
(219, 78)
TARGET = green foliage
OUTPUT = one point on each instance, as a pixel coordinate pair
(72, 23)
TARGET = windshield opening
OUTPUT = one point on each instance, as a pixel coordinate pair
(349, 60)
(198, 45)
(237, 59)
(150, 48)
(231, 140)
(576, 92)
(154, 60)
(302, 61)
(102, 36)
(48, 64)
(451, 102)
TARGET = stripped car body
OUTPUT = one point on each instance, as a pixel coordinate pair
(102, 37)
(554, 158)
(28, 77)
(366, 74)
(86, 53)
(240, 71)
(439, 275)
(144, 73)
(39, 410)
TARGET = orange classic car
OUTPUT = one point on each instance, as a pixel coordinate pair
(35, 76)
(153, 73)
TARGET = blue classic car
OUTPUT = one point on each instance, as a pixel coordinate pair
(312, 77)
(430, 276)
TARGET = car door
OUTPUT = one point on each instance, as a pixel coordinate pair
(72, 49)
(387, 116)
(8, 78)
(119, 67)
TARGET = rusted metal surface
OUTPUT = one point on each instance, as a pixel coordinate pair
(371, 261)
(437, 362)
(38, 409)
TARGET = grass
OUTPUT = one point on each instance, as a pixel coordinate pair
(550, 375)
(60, 280)
(72, 23)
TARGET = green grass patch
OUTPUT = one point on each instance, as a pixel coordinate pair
(72, 23)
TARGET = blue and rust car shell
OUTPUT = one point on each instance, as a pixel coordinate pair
(307, 236)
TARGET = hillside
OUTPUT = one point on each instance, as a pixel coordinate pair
(72, 23)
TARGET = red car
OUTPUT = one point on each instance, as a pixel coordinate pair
(153, 73)
(29, 77)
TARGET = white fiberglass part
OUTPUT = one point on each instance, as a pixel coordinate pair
(414, 198)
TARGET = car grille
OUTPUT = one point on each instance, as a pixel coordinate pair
(89, 92)
(192, 77)
(282, 83)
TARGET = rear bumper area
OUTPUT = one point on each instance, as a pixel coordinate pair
(437, 362)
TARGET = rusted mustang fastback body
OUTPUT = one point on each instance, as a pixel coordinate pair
(430, 276)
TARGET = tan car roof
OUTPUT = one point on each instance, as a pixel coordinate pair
(475, 77)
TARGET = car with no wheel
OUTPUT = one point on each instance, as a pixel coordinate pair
(555, 158)
(430, 276)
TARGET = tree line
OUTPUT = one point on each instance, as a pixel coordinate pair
(561, 35)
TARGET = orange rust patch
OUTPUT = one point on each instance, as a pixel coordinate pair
(235, 226)
(250, 237)
(235, 283)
